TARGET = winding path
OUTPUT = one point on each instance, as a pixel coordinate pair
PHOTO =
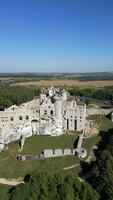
(15, 182)
(72, 166)
(12, 182)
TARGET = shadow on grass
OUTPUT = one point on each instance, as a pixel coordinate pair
(75, 143)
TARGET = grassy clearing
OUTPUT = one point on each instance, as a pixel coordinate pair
(4, 189)
(103, 122)
(11, 168)
(88, 143)
(97, 104)
(36, 144)
(92, 105)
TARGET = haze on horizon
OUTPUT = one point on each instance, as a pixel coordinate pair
(56, 36)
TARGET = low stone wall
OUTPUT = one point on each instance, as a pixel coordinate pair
(48, 153)
(28, 157)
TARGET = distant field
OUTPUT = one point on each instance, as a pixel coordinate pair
(65, 83)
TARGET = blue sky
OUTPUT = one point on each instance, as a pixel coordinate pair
(56, 35)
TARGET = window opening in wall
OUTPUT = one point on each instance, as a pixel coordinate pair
(20, 117)
(64, 112)
(27, 117)
(67, 124)
(75, 124)
(51, 112)
(12, 119)
(45, 112)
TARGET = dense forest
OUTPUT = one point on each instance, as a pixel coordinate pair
(17, 95)
(102, 171)
(102, 93)
(41, 186)
(13, 95)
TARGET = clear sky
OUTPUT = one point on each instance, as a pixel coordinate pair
(56, 35)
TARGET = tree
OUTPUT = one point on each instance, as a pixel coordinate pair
(87, 193)
(87, 102)
(102, 172)
(41, 186)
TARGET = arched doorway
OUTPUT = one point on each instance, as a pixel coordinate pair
(35, 126)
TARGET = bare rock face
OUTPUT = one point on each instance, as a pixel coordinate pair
(91, 128)
(1, 145)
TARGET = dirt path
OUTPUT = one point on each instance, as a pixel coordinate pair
(15, 182)
(12, 182)
(72, 166)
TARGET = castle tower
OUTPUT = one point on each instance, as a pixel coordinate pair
(42, 97)
(51, 91)
(64, 95)
(58, 109)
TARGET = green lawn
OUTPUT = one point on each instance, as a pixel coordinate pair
(99, 105)
(10, 167)
(4, 189)
(88, 143)
(36, 144)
